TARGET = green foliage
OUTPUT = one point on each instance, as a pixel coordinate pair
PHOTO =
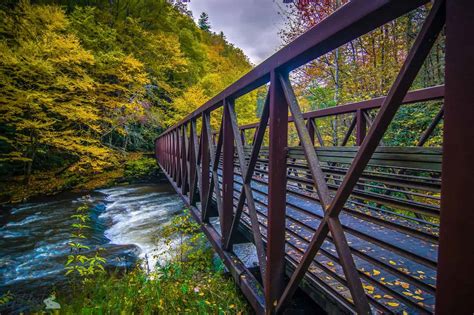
(81, 266)
(82, 82)
(189, 283)
(6, 298)
(140, 168)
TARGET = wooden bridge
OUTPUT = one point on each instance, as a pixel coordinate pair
(360, 227)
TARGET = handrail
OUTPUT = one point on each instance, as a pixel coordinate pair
(416, 96)
(352, 20)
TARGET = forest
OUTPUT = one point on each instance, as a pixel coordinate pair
(363, 69)
(84, 83)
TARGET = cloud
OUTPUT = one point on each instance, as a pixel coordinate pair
(251, 25)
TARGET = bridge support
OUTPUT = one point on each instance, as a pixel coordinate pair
(455, 284)
(273, 282)
(333, 224)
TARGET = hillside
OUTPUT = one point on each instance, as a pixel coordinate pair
(84, 82)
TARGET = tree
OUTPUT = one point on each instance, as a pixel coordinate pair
(82, 82)
(203, 22)
(361, 69)
(47, 103)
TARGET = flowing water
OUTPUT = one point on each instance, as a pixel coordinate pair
(125, 221)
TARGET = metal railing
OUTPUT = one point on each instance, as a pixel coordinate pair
(356, 225)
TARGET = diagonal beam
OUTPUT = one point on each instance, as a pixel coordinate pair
(188, 154)
(258, 140)
(230, 107)
(407, 74)
(427, 133)
(194, 162)
(418, 53)
(343, 250)
(228, 150)
(205, 169)
(214, 154)
(305, 140)
(318, 133)
(179, 148)
(370, 122)
(184, 171)
(349, 131)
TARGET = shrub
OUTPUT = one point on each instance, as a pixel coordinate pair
(141, 168)
(188, 284)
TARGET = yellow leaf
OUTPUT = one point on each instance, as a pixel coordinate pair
(392, 262)
(404, 285)
(408, 293)
(330, 263)
(377, 296)
(393, 304)
(376, 272)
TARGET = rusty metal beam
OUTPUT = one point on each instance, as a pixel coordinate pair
(455, 282)
(349, 22)
(347, 262)
(227, 173)
(257, 236)
(413, 63)
(247, 176)
(274, 280)
(361, 127)
(415, 96)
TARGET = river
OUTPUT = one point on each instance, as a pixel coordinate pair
(34, 236)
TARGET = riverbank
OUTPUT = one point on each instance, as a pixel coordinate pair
(130, 168)
(192, 281)
(155, 258)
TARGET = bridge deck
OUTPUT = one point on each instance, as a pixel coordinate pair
(396, 268)
(395, 252)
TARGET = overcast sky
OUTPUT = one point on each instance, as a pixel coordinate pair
(251, 25)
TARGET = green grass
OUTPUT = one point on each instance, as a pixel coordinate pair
(193, 282)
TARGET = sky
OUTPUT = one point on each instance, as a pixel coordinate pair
(251, 25)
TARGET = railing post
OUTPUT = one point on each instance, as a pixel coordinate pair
(168, 137)
(242, 137)
(176, 157)
(361, 127)
(170, 153)
(274, 280)
(183, 160)
(227, 172)
(205, 161)
(455, 284)
(310, 126)
(192, 163)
